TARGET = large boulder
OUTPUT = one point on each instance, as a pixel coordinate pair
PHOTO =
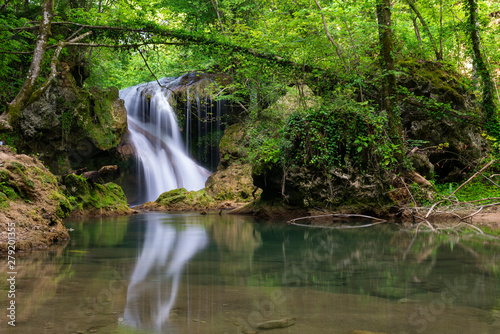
(440, 114)
(181, 200)
(232, 181)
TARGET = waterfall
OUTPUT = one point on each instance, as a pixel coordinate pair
(163, 163)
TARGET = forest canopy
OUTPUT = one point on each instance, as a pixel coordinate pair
(262, 45)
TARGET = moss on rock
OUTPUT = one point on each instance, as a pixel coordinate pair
(232, 182)
(70, 127)
(232, 147)
(182, 200)
(31, 200)
(95, 199)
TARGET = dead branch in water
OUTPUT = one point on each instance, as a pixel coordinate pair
(339, 227)
(336, 215)
(451, 206)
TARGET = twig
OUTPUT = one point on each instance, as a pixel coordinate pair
(242, 106)
(220, 92)
(427, 222)
(409, 192)
(487, 178)
(472, 177)
(473, 214)
(150, 71)
(432, 208)
(482, 200)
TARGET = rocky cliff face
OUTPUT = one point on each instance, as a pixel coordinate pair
(70, 128)
(439, 119)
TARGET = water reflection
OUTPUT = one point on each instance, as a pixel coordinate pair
(163, 258)
(187, 273)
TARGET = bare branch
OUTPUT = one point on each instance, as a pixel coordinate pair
(337, 215)
(123, 46)
(337, 47)
(472, 177)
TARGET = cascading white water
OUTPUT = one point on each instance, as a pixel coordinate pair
(163, 163)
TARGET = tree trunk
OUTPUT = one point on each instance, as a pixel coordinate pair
(22, 99)
(337, 47)
(389, 94)
(417, 31)
(413, 6)
(489, 109)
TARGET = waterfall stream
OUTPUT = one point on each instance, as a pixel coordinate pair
(163, 162)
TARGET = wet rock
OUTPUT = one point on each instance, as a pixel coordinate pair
(272, 324)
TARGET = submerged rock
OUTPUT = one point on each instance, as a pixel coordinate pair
(32, 207)
(272, 324)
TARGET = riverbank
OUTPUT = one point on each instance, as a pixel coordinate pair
(34, 204)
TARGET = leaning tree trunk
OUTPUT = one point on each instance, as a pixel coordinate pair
(488, 104)
(413, 6)
(23, 98)
(389, 94)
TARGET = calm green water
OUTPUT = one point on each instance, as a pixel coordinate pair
(188, 273)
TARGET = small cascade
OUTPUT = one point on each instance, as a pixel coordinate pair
(162, 159)
(203, 126)
(188, 120)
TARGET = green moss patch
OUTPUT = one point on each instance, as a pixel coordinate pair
(94, 199)
(182, 200)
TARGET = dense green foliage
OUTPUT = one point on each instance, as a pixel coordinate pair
(261, 49)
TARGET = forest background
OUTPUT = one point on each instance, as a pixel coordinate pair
(341, 62)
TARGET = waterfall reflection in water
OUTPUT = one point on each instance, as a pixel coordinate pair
(164, 255)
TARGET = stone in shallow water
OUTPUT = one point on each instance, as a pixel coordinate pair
(271, 324)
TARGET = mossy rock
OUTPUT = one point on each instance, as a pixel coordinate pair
(63, 207)
(233, 183)
(4, 201)
(70, 127)
(231, 147)
(95, 199)
(105, 120)
(30, 198)
(182, 200)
